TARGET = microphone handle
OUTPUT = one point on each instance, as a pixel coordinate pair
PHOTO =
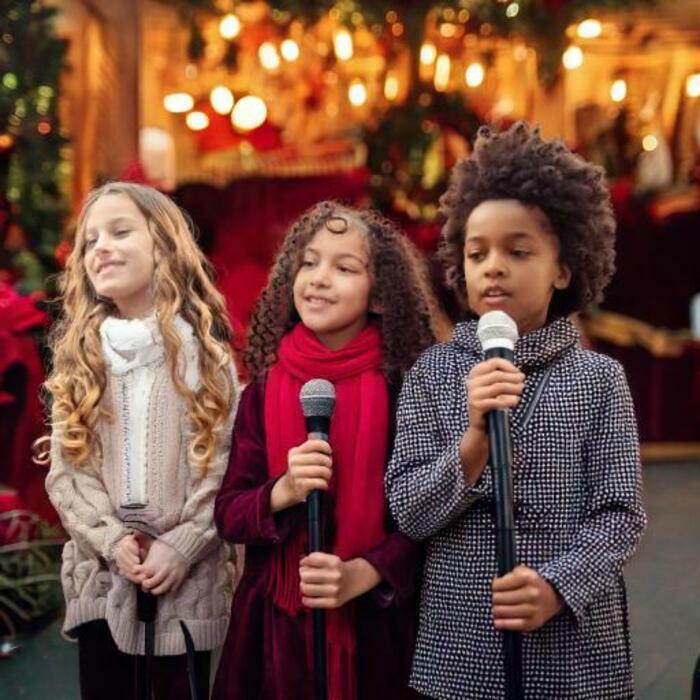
(501, 456)
(317, 427)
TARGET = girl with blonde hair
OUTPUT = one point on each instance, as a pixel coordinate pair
(143, 394)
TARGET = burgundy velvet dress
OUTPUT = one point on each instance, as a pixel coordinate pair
(265, 654)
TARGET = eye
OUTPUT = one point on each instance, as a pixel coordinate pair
(475, 255)
(122, 232)
(521, 253)
(307, 263)
(90, 242)
(345, 268)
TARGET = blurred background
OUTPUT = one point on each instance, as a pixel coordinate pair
(248, 112)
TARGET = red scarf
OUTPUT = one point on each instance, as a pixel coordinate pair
(358, 436)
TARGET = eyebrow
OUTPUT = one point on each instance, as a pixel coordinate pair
(117, 221)
(339, 256)
(516, 235)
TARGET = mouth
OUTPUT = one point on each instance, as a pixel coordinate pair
(316, 302)
(107, 266)
(494, 295)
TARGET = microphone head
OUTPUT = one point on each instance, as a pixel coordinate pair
(497, 329)
(317, 398)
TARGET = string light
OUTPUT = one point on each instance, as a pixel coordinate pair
(221, 99)
(512, 10)
(178, 102)
(428, 54)
(230, 26)
(474, 75)
(249, 113)
(289, 50)
(342, 44)
(448, 30)
(692, 85)
(618, 90)
(589, 29)
(572, 58)
(197, 121)
(650, 143)
(442, 72)
(269, 58)
(391, 86)
(357, 93)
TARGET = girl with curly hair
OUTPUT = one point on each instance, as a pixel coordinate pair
(529, 230)
(344, 303)
(143, 393)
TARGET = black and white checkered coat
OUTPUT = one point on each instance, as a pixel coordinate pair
(579, 516)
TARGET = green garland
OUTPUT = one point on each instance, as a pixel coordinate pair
(31, 167)
(30, 568)
(408, 154)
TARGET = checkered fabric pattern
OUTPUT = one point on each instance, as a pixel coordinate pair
(578, 512)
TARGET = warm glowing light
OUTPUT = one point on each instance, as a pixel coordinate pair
(650, 143)
(448, 30)
(512, 10)
(221, 99)
(442, 72)
(249, 113)
(618, 90)
(572, 58)
(342, 44)
(197, 121)
(428, 54)
(391, 86)
(589, 29)
(230, 27)
(289, 50)
(520, 52)
(692, 85)
(178, 102)
(474, 75)
(357, 93)
(269, 58)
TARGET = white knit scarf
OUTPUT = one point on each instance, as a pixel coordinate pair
(134, 352)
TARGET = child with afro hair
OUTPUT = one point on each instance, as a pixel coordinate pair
(529, 231)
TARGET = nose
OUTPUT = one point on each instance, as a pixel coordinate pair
(320, 275)
(495, 265)
(102, 244)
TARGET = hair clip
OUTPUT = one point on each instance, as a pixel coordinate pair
(337, 224)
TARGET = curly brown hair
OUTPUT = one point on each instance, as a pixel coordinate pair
(397, 288)
(519, 164)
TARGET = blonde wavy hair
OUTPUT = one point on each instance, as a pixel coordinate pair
(182, 284)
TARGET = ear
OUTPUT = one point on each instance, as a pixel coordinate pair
(563, 278)
(376, 308)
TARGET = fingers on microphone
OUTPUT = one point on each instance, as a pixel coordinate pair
(315, 446)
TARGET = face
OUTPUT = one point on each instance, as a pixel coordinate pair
(119, 254)
(511, 262)
(333, 285)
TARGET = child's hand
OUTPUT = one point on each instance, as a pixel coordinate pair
(329, 582)
(127, 556)
(163, 570)
(310, 468)
(523, 600)
(492, 384)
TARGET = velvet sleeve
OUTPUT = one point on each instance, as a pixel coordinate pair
(242, 510)
(398, 560)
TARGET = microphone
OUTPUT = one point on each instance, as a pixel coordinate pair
(497, 334)
(317, 399)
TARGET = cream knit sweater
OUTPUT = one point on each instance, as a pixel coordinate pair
(149, 423)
